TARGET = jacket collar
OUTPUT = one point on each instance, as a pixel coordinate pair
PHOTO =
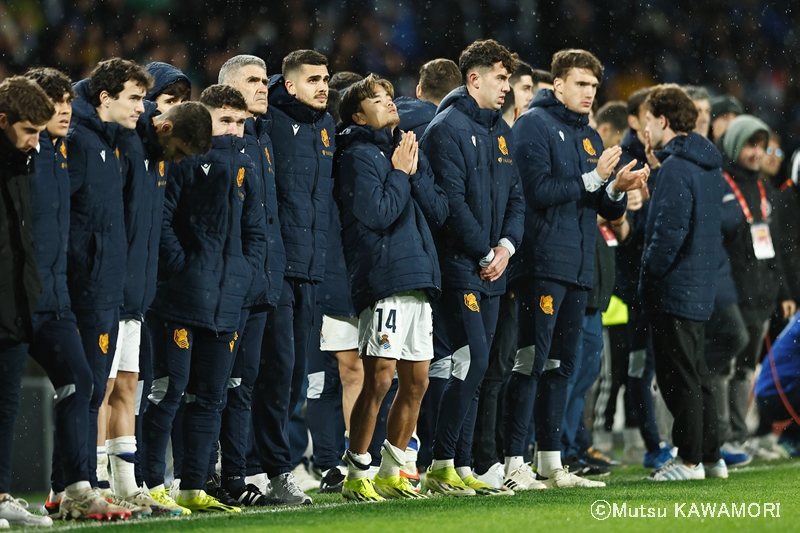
(460, 99)
(281, 99)
(546, 99)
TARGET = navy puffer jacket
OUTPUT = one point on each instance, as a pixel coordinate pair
(50, 222)
(682, 235)
(303, 140)
(268, 284)
(385, 216)
(415, 114)
(471, 155)
(145, 175)
(333, 294)
(97, 243)
(555, 148)
(212, 238)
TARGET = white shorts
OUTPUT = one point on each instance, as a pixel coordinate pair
(398, 327)
(126, 357)
(338, 334)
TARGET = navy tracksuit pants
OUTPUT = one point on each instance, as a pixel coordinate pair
(196, 361)
(550, 315)
(463, 327)
(282, 369)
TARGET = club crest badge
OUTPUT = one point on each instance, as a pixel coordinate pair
(240, 177)
(546, 304)
(472, 303)
(325, 139)
(161, 168)
(501, 141)
(103, 343)
(587, 145)
(384, 342)
(181, 338)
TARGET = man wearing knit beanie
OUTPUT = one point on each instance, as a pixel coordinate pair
(751, 222)
(724, 109)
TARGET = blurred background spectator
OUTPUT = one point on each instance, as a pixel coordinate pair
(747, 48)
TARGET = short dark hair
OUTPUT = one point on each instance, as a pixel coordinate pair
(438, 77)
(523, 69)
(295, 60)
(697, 92)
(54, 82)
(110, 76)
(614, 113)
(343, 80)
(483, 54)
(541, 76)
(636, 100)
(23, 100)
(566, 60)
(334, 97)
(361, 90)
(510, 102)
(671, 101)
(217, 95)
(181, 90)
(191, 122)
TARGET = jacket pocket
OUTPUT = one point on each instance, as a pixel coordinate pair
(95, 253)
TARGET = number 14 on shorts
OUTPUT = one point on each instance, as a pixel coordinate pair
(391, 320)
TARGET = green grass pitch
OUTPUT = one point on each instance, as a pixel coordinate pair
(758, 487)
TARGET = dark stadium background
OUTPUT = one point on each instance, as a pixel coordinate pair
(748, 48)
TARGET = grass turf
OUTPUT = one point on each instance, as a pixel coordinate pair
(549, 510)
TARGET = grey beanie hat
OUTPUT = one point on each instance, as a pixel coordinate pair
(739, 132)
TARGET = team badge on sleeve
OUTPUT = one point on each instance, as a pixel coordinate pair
(240, 177)
(181, 338)
(325, 139)
(103, 343)
(546, 303)
(587, 145)
(501, 141)
(472, 303)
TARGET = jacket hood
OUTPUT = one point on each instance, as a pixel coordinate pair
(84, 112)
(694, 148)
(164, 75)
(546, 98)
(219, 142)
(414, 112)
(464, 102)
(147, 132)
(383, 138)
(281, 99)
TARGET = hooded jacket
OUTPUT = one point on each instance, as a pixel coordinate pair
(556, 147)
(682, 235)
(267, 285)
(145, 179)
(385, 216)
(97, 242)
(303, 141)
(164, 75)
(471, 154)
(212, 238)
(19, 279)
(50, 224)
(415, 114)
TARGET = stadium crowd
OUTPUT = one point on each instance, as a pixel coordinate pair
(431, 287)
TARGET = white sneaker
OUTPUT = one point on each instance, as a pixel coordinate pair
(718, 470)
(15, 513)
(564, 479)
(493, 477)
(175, 488)
(764, 448)
(523, 478)
(303, 479)
(259, 480)
(675, 470)
(286, 491)
(4, 523)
